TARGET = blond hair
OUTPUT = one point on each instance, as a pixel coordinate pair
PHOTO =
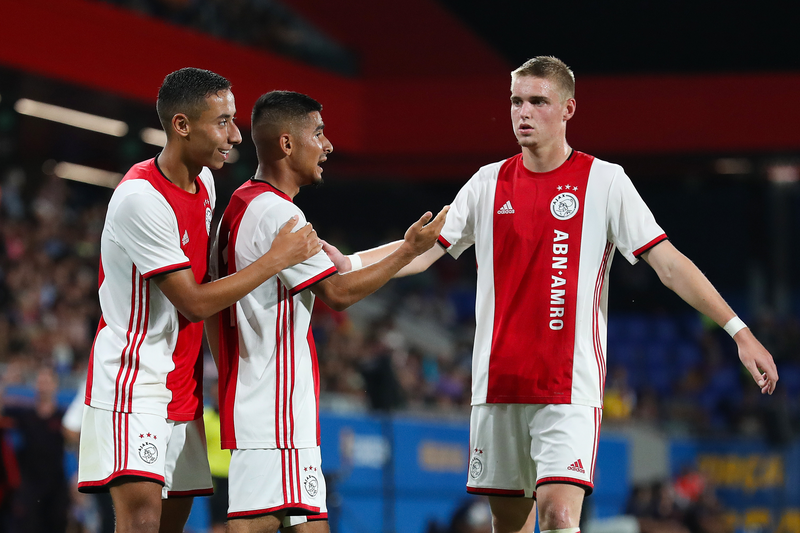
(550, 68)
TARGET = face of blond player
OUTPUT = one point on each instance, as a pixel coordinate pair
(538, 114)
(310, 149)
(214, 133)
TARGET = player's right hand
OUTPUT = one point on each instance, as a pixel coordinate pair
(422, 235)
(295, 247)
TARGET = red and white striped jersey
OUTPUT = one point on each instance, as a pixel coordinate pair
(544, 244)
(268, 373)
(146, 355)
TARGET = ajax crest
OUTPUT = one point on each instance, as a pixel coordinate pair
(148, 452)
(564, 206)
(475, 467)
(311, 485)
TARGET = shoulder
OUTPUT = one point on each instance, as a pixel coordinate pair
(490, 171)
(271, 211)
(138, 193)
(601, 169)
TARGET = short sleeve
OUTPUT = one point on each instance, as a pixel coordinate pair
(146, 228)
(458, 232)
(631, 225)
(302, 275)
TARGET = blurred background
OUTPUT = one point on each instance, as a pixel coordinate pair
(697, 100)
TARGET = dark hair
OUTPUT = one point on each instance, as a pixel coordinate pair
(185, 91)
(277, 107)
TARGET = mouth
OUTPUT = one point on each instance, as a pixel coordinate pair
(225, 153)
(525, 128)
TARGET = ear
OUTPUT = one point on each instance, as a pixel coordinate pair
(180, 124)
(569, 109)
(286, 143)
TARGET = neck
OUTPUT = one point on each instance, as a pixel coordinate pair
(177, 169)
(545, 159)
(278, 179)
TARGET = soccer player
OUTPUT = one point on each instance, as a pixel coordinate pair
(268, 375)
(545, 224)
(141, 436)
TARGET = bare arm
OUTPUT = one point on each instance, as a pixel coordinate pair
(368, 257)
(343, 290)
(199, 301)
(679, 274)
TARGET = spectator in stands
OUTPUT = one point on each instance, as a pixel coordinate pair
(41, 502)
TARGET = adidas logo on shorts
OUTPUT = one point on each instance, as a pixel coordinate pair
(577, 466)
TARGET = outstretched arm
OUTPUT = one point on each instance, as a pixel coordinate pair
(198, 301)
(419, 264)
(343, 290)
(679, 274)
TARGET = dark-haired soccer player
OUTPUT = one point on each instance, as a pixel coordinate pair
(140, 437)
(545, 224)
(268, 376)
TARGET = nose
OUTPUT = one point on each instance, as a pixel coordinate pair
(234, 135)
(327, 146)
(525, 110)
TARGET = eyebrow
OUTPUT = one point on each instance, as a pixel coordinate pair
(320, 127)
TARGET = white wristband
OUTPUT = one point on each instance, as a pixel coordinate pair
(355, 262)
(734, 325)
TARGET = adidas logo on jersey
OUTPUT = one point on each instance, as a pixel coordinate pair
(185, 239)
(506, 209)
(577, 466)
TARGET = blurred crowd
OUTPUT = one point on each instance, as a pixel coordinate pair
(686, 504)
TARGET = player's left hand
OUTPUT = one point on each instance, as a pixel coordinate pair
(422, 235)
(339, 260)
(757, 360)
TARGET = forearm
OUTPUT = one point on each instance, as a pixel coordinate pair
(199, 301)
(694, 288)
(373, 255)
(342, 291)
(422, 262)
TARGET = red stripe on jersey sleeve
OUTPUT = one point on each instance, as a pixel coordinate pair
(316, 279)
(643, 249)
(441, 240)
(167, 269)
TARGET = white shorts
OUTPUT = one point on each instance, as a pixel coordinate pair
(145, 446)
(517, 447)
(265, 481)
